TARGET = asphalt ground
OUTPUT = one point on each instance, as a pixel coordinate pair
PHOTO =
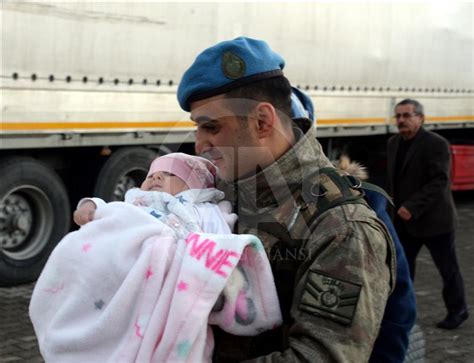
(18, 342)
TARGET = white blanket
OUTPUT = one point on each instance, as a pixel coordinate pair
(124, 289)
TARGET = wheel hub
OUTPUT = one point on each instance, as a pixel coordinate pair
(15, 221)
(125, 183)
(26, 222)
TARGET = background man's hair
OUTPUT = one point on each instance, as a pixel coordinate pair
(276, 90)
(417, 105)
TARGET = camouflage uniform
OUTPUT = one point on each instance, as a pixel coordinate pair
(333, 270)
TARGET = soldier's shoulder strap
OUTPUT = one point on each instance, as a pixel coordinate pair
(332, 187)
(326, 189)
(329, 188)
(322, 190)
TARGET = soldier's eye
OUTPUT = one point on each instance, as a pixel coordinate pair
(210, 126)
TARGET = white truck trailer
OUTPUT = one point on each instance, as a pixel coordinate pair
(89, 92)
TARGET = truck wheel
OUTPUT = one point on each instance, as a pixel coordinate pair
(34, 216)
(416, 346)
(126, 168)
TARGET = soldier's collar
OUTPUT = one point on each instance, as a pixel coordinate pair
(300, 127)
(274, 184)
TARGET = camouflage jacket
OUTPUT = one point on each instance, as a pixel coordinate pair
(333, 270)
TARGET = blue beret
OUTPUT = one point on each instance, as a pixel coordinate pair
(301, 104)
(228, 65)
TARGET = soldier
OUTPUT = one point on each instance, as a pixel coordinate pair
(391, 345)
(332, 259)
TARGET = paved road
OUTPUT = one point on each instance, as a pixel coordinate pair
(456, 346)
(18, 343)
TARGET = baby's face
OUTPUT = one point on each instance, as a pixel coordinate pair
(162, 181)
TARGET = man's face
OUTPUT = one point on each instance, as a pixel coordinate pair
(229, 141)
(408, 122)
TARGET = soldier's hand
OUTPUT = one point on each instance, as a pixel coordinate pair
(404, 214)
(85, 213)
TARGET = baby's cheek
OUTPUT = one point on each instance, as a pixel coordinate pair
(145, 185)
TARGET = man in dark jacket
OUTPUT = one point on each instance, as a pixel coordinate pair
(418, 179)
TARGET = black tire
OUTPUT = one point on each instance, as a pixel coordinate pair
(416, 346)
(126, 168)
(34, 215)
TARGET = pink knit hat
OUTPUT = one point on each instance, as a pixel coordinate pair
(196, 172)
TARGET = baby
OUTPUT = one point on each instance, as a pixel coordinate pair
(145, 284)
(190, 180)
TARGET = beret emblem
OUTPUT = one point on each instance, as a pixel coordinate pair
(232, 65)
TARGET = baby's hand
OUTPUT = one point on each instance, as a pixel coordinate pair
(85, 213)
(229, 217)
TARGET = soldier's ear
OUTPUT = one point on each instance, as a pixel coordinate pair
(266, 117)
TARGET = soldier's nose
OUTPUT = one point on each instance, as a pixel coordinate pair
(201, 145)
